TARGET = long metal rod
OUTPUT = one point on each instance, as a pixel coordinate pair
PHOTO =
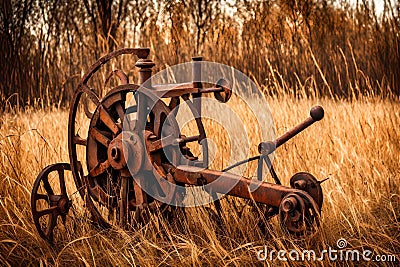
(266, 148)
(233, 185)
(316, 114)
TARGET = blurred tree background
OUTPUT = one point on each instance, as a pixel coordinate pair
(331, 48)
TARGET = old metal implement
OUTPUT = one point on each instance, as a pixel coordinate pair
(136, 160)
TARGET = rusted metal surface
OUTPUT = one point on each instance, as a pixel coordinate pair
(316, 114)
(123, 157)
(298, 207)
(231, 184)
(307, 182)
(120, 74)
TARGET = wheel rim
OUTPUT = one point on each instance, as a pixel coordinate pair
(55, 197)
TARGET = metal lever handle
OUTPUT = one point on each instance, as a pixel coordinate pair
(316, 114)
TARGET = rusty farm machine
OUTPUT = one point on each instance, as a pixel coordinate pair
(137, 161)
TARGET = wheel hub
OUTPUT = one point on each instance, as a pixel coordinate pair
(126, 150)
(64, 205)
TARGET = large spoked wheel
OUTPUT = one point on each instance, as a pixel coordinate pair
(96, 144)
(124, 155)
(121, 163)
(85, 97)
(49, 199)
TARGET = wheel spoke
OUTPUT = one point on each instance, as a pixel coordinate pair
(47, 186)
(54, 198)
(123, 209)
(62, 182)
(50, 210)
(100, 168)
(99, 137)
(51, 225)
(106, 118)
(161, 143)
(120, 110)
(173, 104)
(140, 195)
(166, 186)
(41, 196)
(79, 140)
(158, 122)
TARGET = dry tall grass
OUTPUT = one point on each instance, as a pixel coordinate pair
(46, 45)
(356, 145)
(309, 51)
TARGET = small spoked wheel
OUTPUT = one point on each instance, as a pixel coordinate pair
(49, 199)
(299, 214)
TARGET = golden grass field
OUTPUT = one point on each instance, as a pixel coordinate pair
(356, 145)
